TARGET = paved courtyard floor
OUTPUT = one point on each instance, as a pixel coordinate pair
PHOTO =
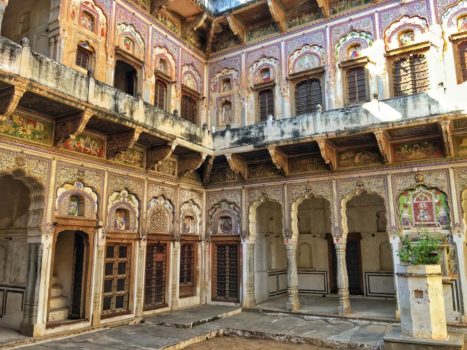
(227, 327)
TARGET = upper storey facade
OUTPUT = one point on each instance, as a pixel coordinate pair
(235, 64)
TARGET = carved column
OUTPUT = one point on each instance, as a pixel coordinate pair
(175, 274)
(140, 279)
(99, 262)
(293, 302)
(342, 279)
(249, 300)
(31, 302)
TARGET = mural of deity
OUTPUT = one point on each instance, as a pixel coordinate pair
(226, 112)
(225, 224)
(190, 82)
(128, 44)
(163, 67)
(462, 23)
(74, 206)
(226, 85)
(306, 62)
(407, 37)
(265, 74)
(187, 225)
(87, 21)
(120, 222)
(354, 52)
(423, 207)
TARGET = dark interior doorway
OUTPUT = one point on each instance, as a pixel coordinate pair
(126, 77)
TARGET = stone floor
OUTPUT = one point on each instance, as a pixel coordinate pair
(364, 308)
(184, 328)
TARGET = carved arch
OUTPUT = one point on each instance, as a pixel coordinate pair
(259, 66)
(218, 222)
(417, 24)
(314, 56)
(160, 219)
(363, 39)
(118, 203)
(129, 40)
(65, 205)
(252, 215)
(452, 14)
(190, 218)
(223, 74)
(89, 6)
(161, 52)
(191, 78)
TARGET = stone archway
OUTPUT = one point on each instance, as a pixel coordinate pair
(24, 205)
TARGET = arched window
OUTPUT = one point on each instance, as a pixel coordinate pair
(410, 75)
(187, 269)
(308, 96)
(161, 95)
(266, 104)
(462, 52)
(356, 85)
(87, 21)
(84, 56)
(189, 109)
(76, 205)
(126, 77)
(163, 66)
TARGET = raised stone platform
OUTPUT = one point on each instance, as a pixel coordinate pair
(395, 340)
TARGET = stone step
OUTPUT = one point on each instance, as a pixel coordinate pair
(57, 315)
(58, 302)
(55, 280)
(56, 290)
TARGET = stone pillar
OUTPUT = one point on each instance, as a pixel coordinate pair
(140, 279)
(31, 302)
(293, 302)
(342, 279)
(175, 274)
(99, 262)
(249, 300)
(3, 5)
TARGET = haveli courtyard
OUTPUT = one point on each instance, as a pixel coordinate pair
(243, 170)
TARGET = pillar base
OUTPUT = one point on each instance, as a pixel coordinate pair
(293, 306)
(395, 340)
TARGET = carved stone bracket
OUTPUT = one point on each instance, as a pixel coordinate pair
(447, 137)
(157, 155)
(238, 165)
(157, 5)
(279, 159)
(68, 127)
(190, 163)
(328, 153)
(9, 99)
(193, 23)
(208, 170)
(278, 14)
(123, 141)
(324, 6)
(384, 145)
(237, 28)
(210, 36)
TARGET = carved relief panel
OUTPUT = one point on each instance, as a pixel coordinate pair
(123, 212)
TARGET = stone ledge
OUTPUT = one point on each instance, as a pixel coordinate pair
(395, 340)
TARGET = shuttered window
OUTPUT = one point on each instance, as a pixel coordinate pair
(356, 85)
(410, 75)
(189, 109)
(187, 269)
(156, 276)
(161, 95)
(266, 104)
(462, 49)
(308, 96)
(83, 58)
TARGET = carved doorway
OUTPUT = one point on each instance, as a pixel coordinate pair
(156, 277)
(225, 272)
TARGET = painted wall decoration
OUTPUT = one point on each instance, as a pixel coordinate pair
(455, 17)
(129, 40)
(224, 219)
(132, 157)
(191, 78)
(123, 212)
(306, 58)
(87, 143)
(28, 128)
(417, 150)
(160, 215)
(164, 62)
(190, 218)
(354, 158)
(423, 207)
(90, 16)
(264, 70)
(352, 45)
(76, 200)
(405, 31)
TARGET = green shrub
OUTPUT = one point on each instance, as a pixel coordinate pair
(425, 251)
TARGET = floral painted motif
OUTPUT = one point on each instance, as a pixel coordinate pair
(462, 23)
(27, 128)
(87, 21)
(423, 206)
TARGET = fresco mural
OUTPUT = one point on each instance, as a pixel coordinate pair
(132, 157)
(28, 128)
(423, 206)
(417, 151)
(86, 143)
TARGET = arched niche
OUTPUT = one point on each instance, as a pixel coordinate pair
(123, 214)
(76, 201)
(160, 216)
(252, 216)
(354, 39)
(191, 78)
(406, 24)
(190, 218)
(224, 219)
(164, 62)
(306, 58)
(264, 71)
(129, 40)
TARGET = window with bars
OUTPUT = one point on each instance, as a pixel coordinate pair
(226, 272)
(187, 269)
(156, 276)
(189, 109)
(308, 96)
(161, 95)
(116, 278)
(410, 75)
(83, 58)
(266, 104)
(462, 51)
(356, 85)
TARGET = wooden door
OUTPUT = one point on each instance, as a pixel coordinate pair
(187, 269)
(155, 286)
(226, 271)
(356, 85)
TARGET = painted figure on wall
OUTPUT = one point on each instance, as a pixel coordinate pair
(225, 223)
(423, 206)
(188, 224)
(306, 62)
(462, 23)
(406, 38)
(87, 144)
(226, 112)
(29, 129)
(190, 82)
(74, 206)
(87, 21)
(226, 85)
(354, 52)
(265, 74)
(121, 219)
